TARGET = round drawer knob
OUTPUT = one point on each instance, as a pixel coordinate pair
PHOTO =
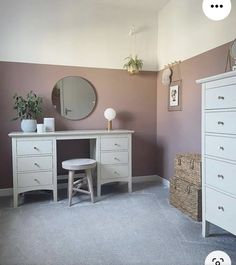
(221, 123)
(36, 148)
(221, 98)
(220, 176)
(36, 164)
(221, 208)
(222, 148)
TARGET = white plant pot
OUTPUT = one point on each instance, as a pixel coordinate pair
(133, 70)
(28, 125)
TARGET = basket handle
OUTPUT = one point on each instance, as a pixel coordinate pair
(188, 189)
(192, 164)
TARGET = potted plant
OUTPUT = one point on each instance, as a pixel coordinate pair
(134, 64)
(28, 110)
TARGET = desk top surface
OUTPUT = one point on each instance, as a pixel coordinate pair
(69, 133)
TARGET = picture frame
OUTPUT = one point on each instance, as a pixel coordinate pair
(175, 96)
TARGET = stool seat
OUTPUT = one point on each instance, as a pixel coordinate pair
(72, 165)
(79, 164)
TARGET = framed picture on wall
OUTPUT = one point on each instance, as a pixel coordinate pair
(175, 96)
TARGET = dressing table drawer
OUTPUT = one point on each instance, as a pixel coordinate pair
(114, 157)
(116, 171)
(34, 179)
(116, 143)
(36, 163)
(35, 147)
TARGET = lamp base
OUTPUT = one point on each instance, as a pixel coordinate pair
(109, 125)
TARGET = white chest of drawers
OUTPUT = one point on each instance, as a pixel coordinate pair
(34, 158)
(219, 151)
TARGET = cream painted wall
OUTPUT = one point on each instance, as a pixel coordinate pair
(79, 33)
(184, 31)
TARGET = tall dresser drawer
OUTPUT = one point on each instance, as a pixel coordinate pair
(25, 164)
(34, 179)
(221, 210)
(221, 122)
(221, 175)
(220, 97)
(116, 143)
(33, 147)
(222, 147)
(116, 171)
(114, 157)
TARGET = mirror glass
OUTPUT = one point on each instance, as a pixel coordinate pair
(233, 50)
(73, 97)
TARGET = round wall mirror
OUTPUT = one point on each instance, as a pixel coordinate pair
(74, 97)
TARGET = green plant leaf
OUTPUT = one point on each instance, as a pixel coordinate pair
(134, 64)
(29, 107)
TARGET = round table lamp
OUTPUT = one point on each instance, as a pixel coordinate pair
(110, 115)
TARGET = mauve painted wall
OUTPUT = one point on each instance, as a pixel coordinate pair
(133, 97)
(180, 131)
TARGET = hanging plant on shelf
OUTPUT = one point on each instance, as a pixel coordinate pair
(133, 65)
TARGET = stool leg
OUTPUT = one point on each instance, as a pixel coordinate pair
(90, 183)
(70, 185)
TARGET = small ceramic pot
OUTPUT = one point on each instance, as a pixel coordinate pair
(28, 125)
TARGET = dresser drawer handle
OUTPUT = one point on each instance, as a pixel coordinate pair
(36, 164)
(36, 180)
(116, 158)
(36, 148)
(220, 176)
(221, 98)
(115, 172)
(222, 148)
(221, 208)
(221, 123)
(116, 144)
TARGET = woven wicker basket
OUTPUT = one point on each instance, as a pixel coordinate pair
(188, 167)
(187, 197)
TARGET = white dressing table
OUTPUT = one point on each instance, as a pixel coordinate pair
(34, 157)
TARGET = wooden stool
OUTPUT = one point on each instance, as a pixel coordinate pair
(79, 164)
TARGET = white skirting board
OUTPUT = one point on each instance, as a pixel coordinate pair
(6, 192)
(151, 178)
(139, 179)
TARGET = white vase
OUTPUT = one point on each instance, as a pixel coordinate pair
(28, 125)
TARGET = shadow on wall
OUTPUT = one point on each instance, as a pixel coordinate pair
(144, 155)
(160, 160)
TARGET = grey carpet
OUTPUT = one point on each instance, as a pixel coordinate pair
(120, 229)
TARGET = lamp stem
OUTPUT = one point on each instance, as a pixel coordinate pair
(109, 125)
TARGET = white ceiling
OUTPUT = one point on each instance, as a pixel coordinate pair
(154, 5)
